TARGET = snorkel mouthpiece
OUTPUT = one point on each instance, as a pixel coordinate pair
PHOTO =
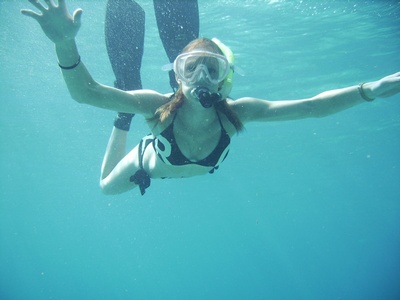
(205, 97)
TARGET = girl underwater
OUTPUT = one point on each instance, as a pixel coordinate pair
(191, 129)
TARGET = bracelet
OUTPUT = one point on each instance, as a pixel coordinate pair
(71, 67)
(362, 93)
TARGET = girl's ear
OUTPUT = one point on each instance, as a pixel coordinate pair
(177, 79)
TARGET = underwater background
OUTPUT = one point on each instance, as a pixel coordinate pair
(305, 209)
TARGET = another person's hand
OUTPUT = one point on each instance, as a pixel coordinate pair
(385, 87)
(55, 20)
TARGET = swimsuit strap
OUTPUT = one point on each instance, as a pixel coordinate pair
(173, 120)
(219, 119)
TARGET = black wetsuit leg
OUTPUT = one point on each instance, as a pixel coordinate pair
(124, 32)
(178, 24)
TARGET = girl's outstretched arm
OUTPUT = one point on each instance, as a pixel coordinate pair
(61, 28)
(321, 105)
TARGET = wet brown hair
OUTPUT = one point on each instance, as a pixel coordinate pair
(176, 100)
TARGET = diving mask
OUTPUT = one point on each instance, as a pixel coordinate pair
(193, 67)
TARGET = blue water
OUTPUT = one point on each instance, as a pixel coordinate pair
(299, 210)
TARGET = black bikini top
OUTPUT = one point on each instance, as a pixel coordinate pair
(169, 152)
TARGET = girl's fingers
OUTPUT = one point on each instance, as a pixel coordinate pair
(49, 3)
(62, 5)
(38, 5)
(30, 13)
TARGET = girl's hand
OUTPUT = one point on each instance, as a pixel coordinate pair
(385, 87)
(55, 20)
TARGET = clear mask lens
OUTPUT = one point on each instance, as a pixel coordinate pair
(193, 67)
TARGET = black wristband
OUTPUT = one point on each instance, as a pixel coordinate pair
(71, 67)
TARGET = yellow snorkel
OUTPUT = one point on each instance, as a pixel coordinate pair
(228, 81)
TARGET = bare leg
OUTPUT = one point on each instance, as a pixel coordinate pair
(118, 167)
(115, 152)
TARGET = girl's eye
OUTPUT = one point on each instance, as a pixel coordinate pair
(190, 67)
(213, 72)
